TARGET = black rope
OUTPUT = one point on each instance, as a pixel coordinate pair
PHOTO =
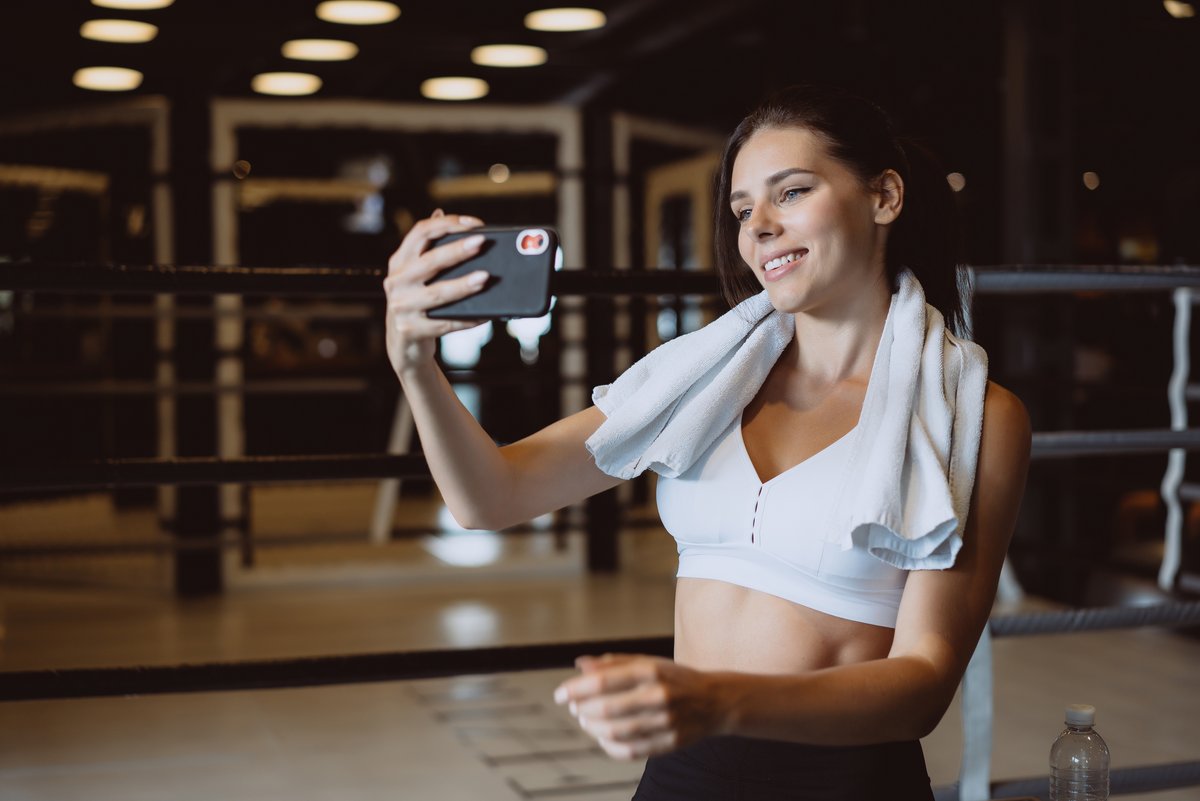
(341, 282)
(314, 671)
(1062, 444)
(147, 472)
(1110, 617)
(1122, 781)
(1149, 778)
(16, 475)
(1037, 278)
(366, 281)
(224, 676)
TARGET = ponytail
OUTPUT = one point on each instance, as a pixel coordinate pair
(926, 237)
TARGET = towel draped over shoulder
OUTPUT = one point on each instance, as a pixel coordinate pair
(906, 488)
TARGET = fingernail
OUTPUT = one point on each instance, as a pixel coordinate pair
(466, 220)
(478, 278)
(560, 694)
(472, 242)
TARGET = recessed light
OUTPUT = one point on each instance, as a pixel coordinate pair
(1091, 180)
(508, 55)
(118, 30)
(454, 88)
(133, 5)
(319, 50)
(957, 181)
(358, 12)
(285, 83)
(565, 19)
(1179, 10)
(107, 79)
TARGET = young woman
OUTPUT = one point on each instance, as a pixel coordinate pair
(786, 682)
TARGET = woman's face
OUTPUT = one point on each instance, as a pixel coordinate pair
(808, 228)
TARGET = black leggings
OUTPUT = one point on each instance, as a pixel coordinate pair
(745, 769)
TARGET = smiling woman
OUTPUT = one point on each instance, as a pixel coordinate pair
(816, 448)
(815, 224)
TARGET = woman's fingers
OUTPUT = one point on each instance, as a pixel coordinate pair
(410, 333)
(641, 699)
(414, 328)
(439, 293)
(434, 260)
(640, 749)
(607, 675)
(588, 663)
(417, 240)
(636, 705)
(627, 729)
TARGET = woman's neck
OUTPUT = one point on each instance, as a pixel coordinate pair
(839, 343)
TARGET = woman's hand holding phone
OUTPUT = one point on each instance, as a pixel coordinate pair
(411, 335)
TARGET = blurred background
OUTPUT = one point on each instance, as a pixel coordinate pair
(295, 134)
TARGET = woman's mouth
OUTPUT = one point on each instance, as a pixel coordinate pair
(780, 266)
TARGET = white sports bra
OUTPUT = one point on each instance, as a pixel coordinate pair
(774, 536)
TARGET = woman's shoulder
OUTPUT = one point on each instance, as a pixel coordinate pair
(1006, 438)
(1004, 412)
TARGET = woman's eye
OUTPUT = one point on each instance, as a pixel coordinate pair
(792, 194)
(742, 215)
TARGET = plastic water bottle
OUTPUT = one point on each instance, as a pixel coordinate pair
(1079, 759)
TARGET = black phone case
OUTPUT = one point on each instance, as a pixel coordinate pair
(519, 283)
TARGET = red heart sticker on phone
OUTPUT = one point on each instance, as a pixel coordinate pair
(532, 242)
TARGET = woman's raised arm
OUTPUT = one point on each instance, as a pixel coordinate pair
(484, 486)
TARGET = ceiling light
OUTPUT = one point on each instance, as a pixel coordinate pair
(957, 181)
(1179, 10)
(358, 12)
(285, 83)
(118, 30)
(1091, 180)
(565, 19)
(319, 50)
(133, 5)
(508, 55)
(454, 88)
(107, 79)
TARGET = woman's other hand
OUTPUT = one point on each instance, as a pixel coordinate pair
(638, 706)
(411, 335)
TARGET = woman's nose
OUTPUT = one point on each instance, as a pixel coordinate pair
(763, 224)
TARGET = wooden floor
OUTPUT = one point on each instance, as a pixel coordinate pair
(493, 737)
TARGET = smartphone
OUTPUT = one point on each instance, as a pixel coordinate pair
(519, 261)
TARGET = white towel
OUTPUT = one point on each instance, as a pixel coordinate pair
(907, 485)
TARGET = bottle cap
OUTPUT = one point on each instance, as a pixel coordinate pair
(1081, 714)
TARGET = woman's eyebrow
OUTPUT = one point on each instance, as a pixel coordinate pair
(771, 181)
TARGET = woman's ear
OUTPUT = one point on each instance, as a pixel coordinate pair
(889, 197)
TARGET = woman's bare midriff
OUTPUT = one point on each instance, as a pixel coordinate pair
(721, 626)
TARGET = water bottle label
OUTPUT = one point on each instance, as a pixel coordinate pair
(1078, 785)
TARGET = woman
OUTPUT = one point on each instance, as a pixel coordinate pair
(785, 684)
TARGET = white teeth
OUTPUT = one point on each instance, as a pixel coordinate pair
(775, 264)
